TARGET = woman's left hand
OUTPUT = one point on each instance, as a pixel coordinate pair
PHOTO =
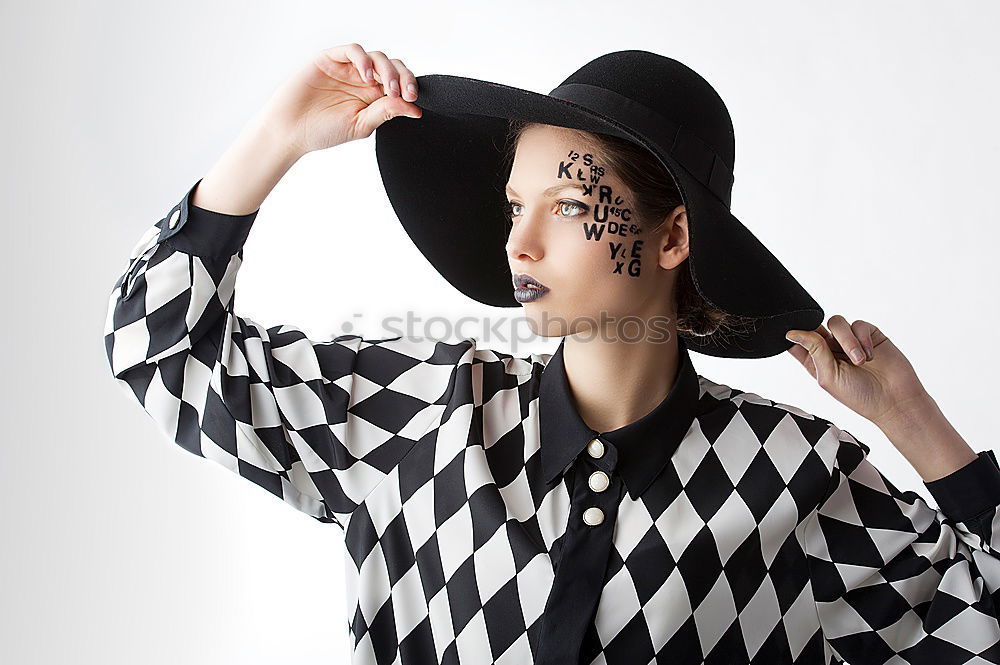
(880, 385)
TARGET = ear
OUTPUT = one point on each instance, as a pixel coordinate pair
(672, 239)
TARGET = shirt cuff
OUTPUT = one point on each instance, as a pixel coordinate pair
(969, 491)
(203, 232)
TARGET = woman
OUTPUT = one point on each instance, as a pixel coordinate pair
(604, 503)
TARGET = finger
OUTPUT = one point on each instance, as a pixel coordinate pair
(383, 109)
(824, 364)
(863, 331)
(841, 329)
(831, 340)
(354, 54)
(876, 334)
(407, 81)
(386, 73)
(799, 353)
(835, 348)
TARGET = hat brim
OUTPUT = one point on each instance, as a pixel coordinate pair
(443, 177)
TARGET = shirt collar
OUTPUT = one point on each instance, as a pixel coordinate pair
(644, 446)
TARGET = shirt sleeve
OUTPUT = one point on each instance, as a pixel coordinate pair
(894, 576)
(318, 424)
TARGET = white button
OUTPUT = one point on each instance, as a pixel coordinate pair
(174, 217)
(595, 448)
(599, 481)
(593, 516)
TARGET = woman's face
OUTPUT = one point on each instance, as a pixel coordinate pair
(574, 231)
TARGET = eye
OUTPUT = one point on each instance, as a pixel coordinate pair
(512, 208)
(572, 204)
(508, 208)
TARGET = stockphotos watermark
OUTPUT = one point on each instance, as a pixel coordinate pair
(512, 331)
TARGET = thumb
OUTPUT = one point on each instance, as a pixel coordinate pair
(820, 353)
(383, 109)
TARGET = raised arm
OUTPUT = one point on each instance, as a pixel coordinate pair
(317, 423)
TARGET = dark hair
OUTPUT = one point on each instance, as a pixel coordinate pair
(654, 197)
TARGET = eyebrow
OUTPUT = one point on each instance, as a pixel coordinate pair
(551, 190)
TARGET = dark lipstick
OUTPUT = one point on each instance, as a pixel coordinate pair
(527, 288)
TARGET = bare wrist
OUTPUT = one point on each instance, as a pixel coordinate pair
(272, 140)
(914, 414)
(926, 438)
(247, 172)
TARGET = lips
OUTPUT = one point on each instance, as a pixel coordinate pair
(524, 280)
(527, 288)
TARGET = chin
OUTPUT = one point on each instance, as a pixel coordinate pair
(544, 322)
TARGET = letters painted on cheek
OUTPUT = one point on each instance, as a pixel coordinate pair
(610, 213)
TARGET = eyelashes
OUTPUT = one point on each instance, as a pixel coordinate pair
(508, 207)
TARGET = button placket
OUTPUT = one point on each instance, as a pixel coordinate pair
(605, 458)
(582, 560)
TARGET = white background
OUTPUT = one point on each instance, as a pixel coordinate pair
(866, 148)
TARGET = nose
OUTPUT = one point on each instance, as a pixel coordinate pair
(525, 241)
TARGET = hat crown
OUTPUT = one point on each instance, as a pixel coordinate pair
(668, 87)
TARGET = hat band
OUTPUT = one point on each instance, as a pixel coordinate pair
(683, 145)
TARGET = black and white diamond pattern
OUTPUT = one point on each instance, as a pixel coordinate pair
(768, 538)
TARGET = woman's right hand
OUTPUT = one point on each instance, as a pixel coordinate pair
(330, 101)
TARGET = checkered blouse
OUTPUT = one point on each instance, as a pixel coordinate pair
(486, 523)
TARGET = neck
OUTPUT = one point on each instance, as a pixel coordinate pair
(614, 383)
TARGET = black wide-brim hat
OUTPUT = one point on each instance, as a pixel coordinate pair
(445, 177)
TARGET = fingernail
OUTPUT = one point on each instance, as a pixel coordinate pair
(869, 352)
(857, 356)
(412, 88)
(368, 74)
(394, 86)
